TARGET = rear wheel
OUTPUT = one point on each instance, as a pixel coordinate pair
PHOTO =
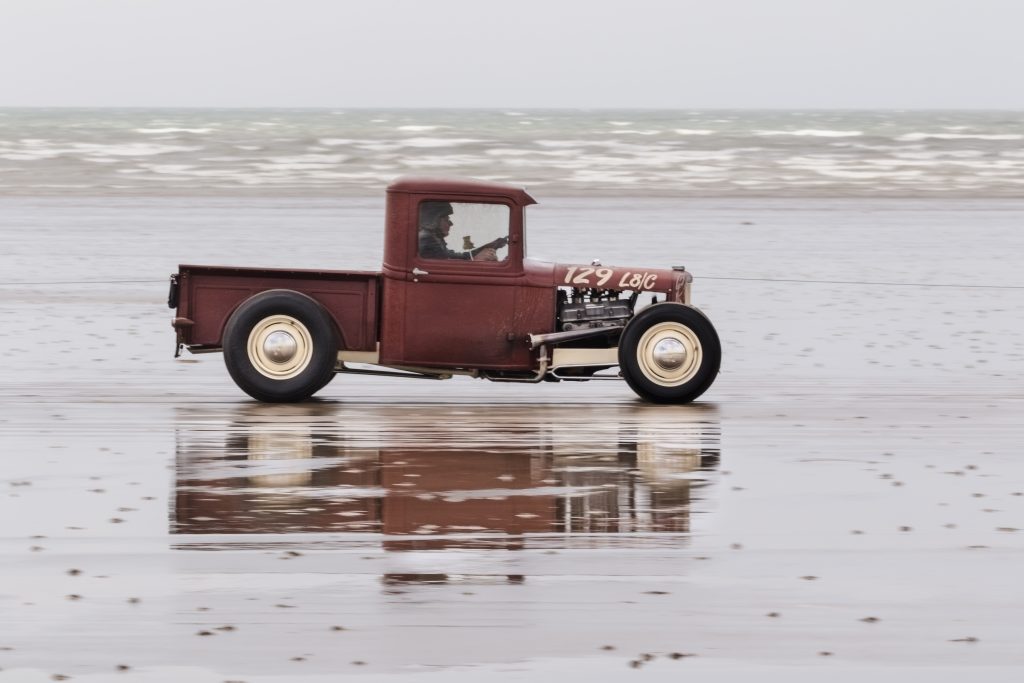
(669, 353)
(280, 346)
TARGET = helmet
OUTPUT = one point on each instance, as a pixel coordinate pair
(431, 211)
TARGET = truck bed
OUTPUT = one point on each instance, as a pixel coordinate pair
(205, 297)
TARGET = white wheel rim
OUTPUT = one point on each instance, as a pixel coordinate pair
(669, 354)
(280, 347)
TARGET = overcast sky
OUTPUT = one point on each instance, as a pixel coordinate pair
(519, 53)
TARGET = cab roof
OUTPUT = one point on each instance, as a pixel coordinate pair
(460, 186)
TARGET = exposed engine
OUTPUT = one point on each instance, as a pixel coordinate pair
(593, 308)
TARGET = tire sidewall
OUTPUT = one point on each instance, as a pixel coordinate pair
(703, 330)
(317, 373)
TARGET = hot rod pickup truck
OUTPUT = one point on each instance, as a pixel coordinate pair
(434, 311)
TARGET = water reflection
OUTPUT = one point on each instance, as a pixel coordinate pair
(429, 477)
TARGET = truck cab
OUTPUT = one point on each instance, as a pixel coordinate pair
(445, 311)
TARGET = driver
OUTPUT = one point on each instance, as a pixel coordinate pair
(435, 224)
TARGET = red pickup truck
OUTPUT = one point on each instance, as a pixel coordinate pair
(435, 311)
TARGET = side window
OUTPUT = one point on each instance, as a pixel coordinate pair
(463, 230)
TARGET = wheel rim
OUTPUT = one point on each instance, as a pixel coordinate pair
(669, 354)
(280, 347)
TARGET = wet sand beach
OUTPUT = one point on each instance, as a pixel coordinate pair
(847, 500)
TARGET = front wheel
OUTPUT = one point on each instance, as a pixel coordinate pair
(669, 353)
(280, 346)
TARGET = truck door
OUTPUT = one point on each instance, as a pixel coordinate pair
(459, 297)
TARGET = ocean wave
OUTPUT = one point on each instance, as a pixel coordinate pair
(436, 142)
(692, 131)
(917, 137)
(94, 151)
(172, 169)
(850, 174)
(591, 176)
(939, 154)
(627, 131)
(446, 161)
(577, 143)
(811, 132)
(309, 159)
(512, 152)
(166, 131)
(133, 149)
(27, 156)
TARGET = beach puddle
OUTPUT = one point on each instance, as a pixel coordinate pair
(426, 477)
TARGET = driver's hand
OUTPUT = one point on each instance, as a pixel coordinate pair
(487, 254)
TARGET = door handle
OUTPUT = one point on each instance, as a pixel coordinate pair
(417, 272)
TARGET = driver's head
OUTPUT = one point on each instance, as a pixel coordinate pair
(434, 216)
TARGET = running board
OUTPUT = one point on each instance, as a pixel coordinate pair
(390, 373)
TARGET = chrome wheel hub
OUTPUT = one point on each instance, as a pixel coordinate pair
(280, 346)
(669, 353)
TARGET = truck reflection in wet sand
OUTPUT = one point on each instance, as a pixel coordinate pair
(434, 477)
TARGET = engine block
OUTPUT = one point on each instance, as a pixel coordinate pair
(589, 314)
